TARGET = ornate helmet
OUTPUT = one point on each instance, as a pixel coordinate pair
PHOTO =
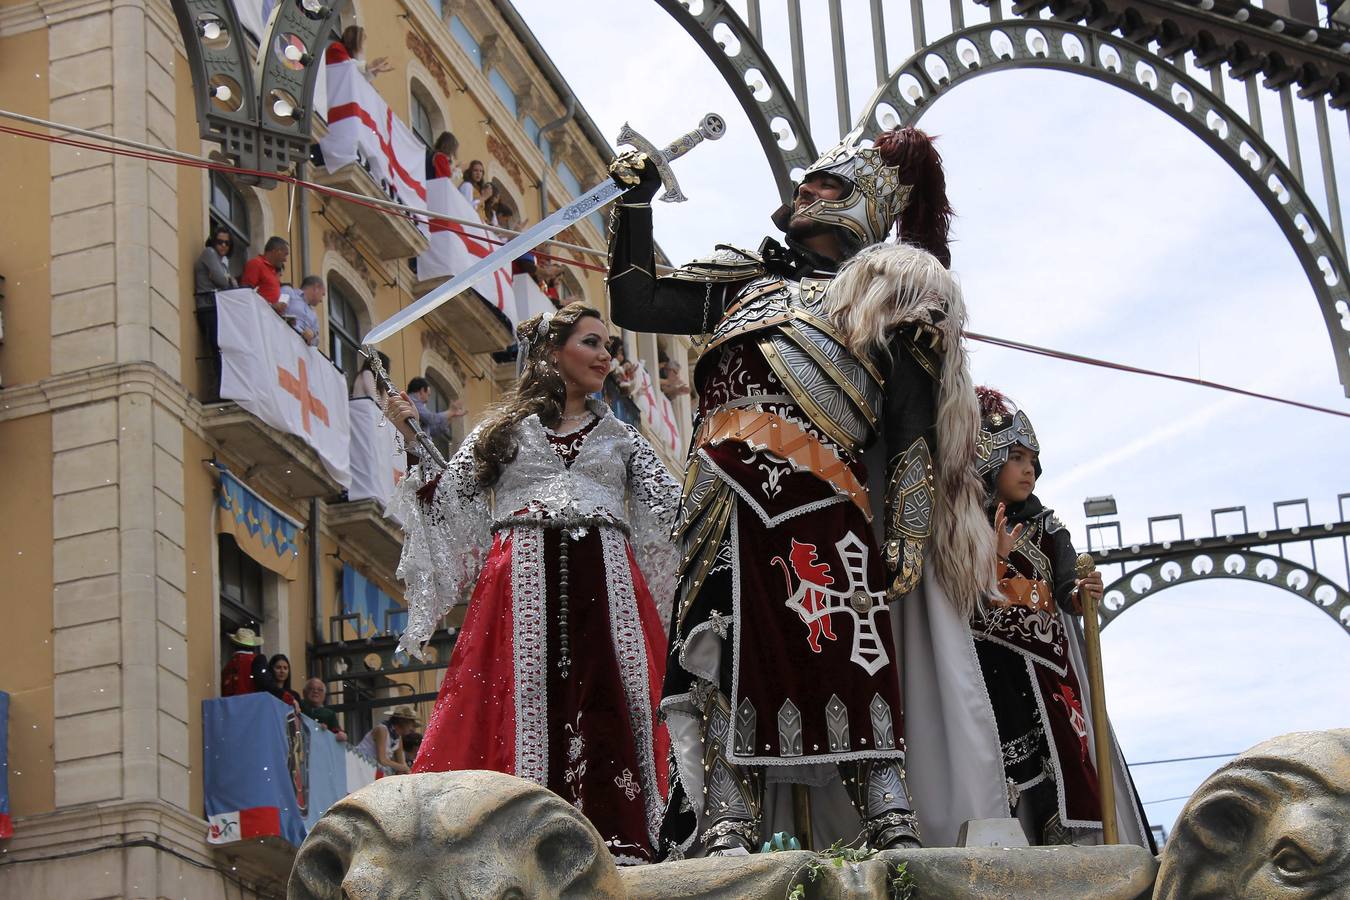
(897, 181)
(1000, 430)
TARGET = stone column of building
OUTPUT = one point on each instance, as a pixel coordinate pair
(119, 570)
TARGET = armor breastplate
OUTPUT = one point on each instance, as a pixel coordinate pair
(838, 391)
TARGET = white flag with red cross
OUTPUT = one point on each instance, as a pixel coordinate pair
(658, 414)
(270, 371)
(360, 120)
(452, 248)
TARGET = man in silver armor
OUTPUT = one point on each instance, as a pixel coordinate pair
(783, 668)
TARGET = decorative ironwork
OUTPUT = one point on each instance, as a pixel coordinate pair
(778, 121)
(1141, 46)
(1160, 565)
(256, 101)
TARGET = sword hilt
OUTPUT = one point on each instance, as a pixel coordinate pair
(428, 446)
(711, 128)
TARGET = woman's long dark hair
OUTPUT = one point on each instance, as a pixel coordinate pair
(272, 670)
(540, 390)
(354, 39)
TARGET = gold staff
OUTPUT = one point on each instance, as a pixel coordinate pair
(1101, 730)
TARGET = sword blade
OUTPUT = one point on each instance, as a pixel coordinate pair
(578, 209)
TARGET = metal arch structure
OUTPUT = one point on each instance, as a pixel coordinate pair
(1260, 556)
(1047, 44)
(779, 121)
(1151, 45)
(1243, 564)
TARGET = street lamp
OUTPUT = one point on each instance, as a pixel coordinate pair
(257, 106)
(1095, 508)
(1099, 506)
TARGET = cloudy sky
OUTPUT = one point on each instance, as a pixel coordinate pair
(1091, 222)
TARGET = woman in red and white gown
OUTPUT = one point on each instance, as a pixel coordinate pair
(556, 515)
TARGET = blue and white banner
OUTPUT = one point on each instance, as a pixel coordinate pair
(378, 612)
(269, 771)
(6, 824)
(260, 529)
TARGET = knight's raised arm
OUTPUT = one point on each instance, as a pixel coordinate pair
(638, 300)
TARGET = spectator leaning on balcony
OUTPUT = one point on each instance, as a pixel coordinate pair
(352, 48)
(672, 385)
(246, 670)
(300, 310)
(475, 186)
(279, 668)
(491, 204)
(441, 158)
(211, 273)
(384, 742)
(435, 424)
(312, 705)
(262, 272)
(412, 742)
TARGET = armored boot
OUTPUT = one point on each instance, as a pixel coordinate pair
(877, 789)
(733, 794)
(1038, 808)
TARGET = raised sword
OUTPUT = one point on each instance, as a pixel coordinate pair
(711, 128)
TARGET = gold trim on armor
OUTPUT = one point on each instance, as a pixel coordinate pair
(832, 370)
(787, 440)
(631, 268)
(705, 542)
(757, 325)
(814, 411)
(832, 331)
(746, 296)
(909, 517)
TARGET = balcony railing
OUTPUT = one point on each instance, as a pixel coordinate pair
(389, 235)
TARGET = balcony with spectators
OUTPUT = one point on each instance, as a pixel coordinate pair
(368, 151)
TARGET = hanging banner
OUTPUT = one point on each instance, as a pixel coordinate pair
(377, 612)
(248, 789)
(267, 535)
(452, 248)
(377, 458)
(530, 301)
(270, 371)
(363, 129)
(269, 771)
(6, 824)
(658, 414)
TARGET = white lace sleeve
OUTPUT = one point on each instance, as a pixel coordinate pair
(446, 539)
(654, 499)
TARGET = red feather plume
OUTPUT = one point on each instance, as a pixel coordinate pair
(926, 221)
(992, 401)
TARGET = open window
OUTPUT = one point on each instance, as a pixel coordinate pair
(229, 211)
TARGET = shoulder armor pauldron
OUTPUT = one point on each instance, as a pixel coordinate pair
(726, 264)
(840, 393)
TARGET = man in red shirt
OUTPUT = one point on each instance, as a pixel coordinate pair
(246, 670)
(262, 271)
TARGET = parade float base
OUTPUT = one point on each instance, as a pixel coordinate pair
(1271, 823)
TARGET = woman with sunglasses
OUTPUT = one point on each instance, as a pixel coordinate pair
(211, 273)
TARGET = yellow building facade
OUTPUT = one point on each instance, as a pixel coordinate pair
(118, 585)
